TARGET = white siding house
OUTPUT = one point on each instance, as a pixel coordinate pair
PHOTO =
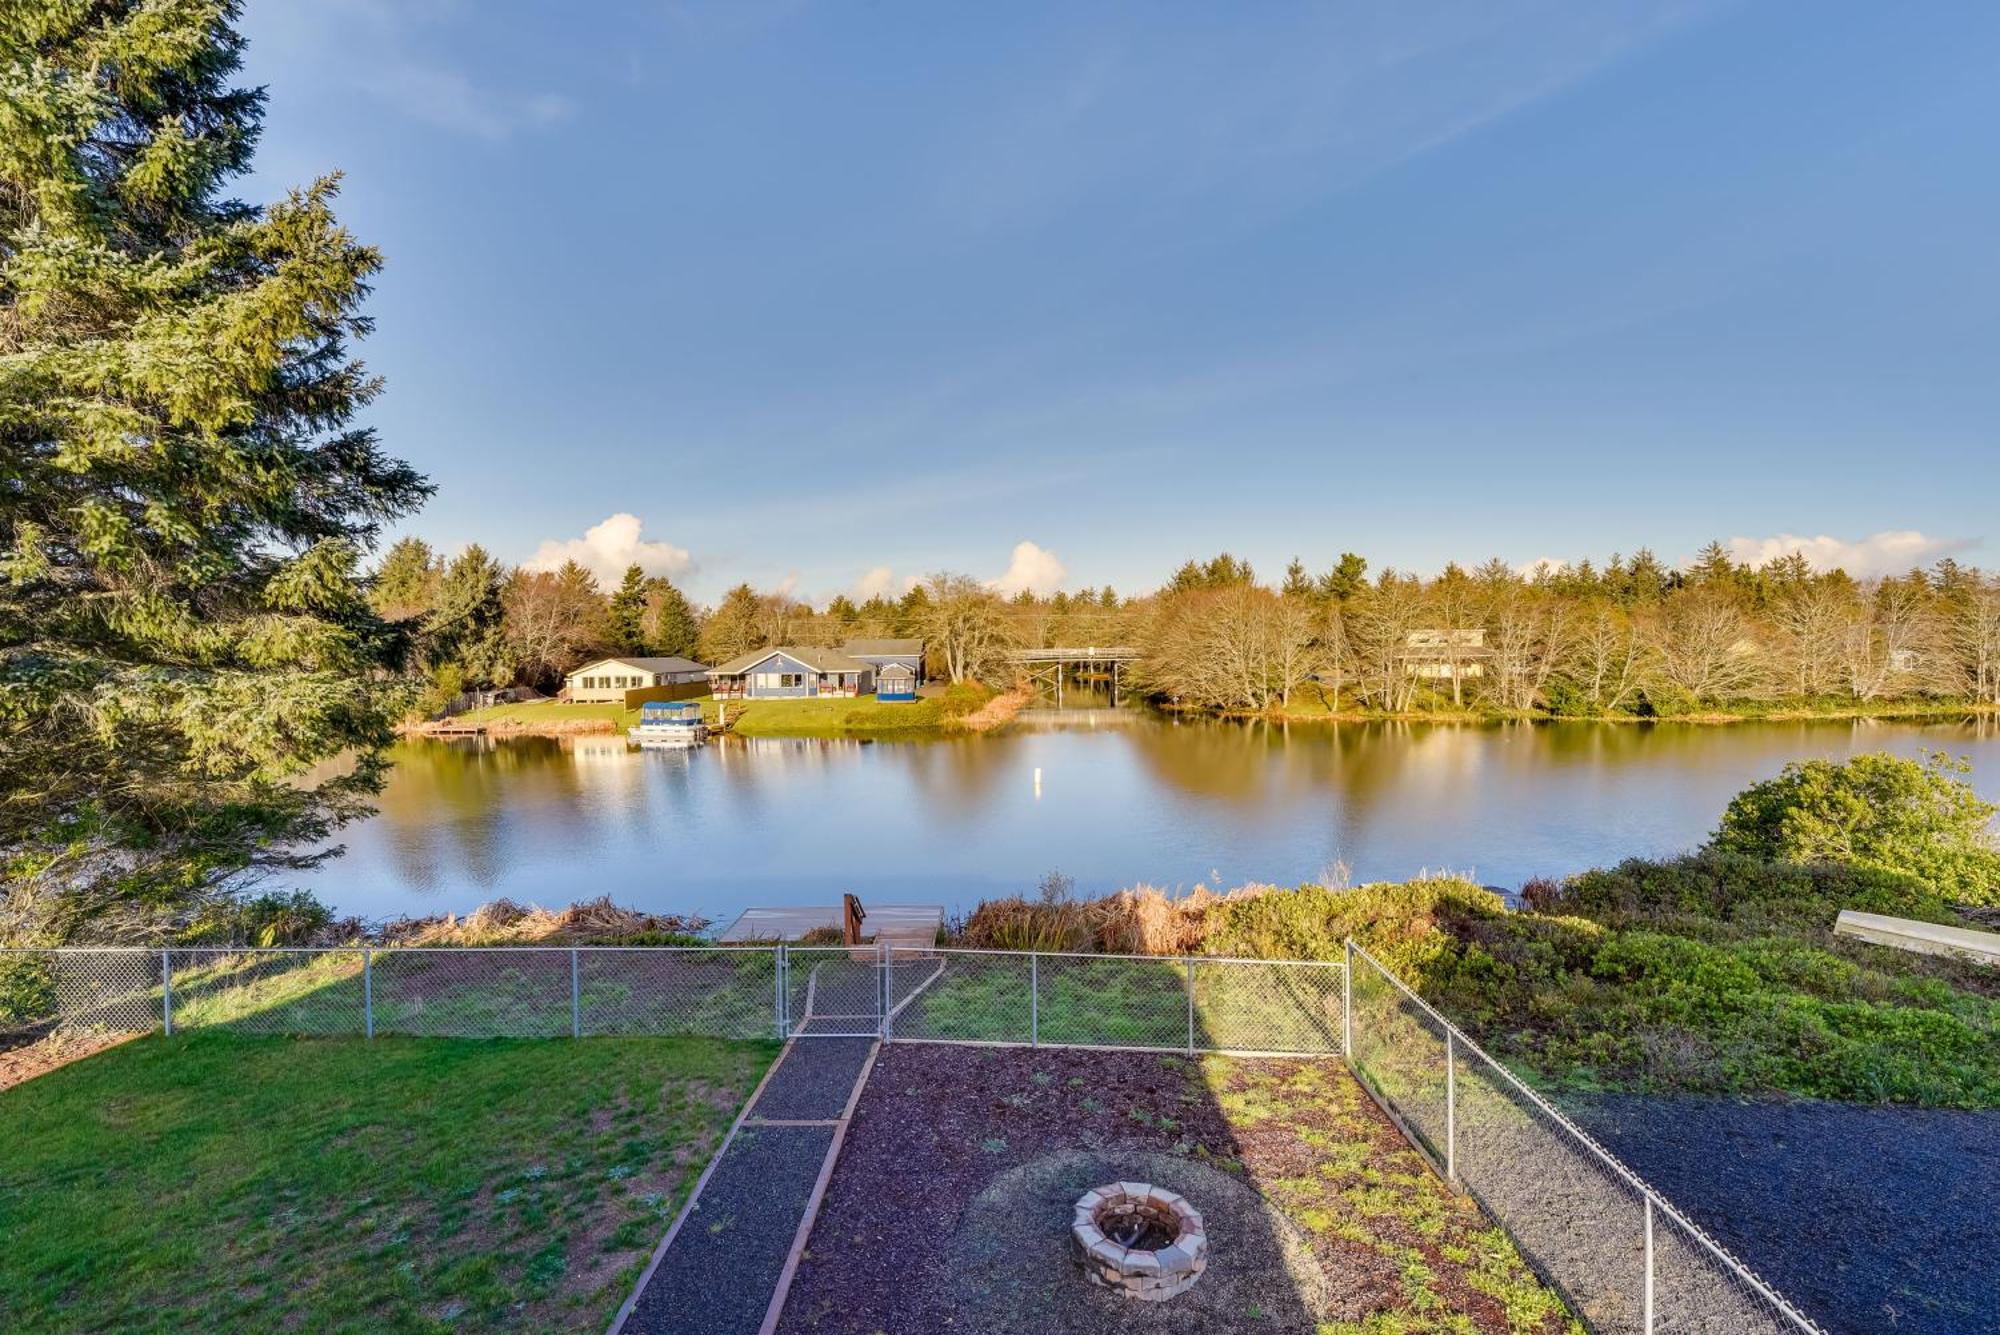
(608, 679)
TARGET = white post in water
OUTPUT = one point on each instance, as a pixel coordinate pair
(167, 991)
(1450, 1107)
(368, 994)
(1649, 1264)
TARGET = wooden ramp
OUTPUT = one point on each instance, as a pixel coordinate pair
(904, 926)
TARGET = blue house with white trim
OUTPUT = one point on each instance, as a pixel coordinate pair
(898, 664)
(790, 672)
(888, 669)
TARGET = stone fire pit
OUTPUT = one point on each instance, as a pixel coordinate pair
(1141, 1240)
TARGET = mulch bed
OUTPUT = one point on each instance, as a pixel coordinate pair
(948, 1209)
(34, 1055)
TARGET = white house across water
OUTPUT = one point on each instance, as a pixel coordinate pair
(609, 678)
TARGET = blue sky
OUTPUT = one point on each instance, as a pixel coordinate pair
(836, 295)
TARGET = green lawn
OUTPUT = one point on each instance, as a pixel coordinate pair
(224, 1183)
(822, 717)
(1123, 1001)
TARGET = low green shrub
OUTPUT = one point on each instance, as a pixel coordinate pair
(1920, 818)
(27, 989)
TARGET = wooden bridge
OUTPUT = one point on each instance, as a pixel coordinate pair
(1051, 666)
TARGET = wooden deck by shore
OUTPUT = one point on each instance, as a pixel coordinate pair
(904, 926)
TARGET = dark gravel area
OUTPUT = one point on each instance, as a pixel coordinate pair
(948, 1209)
(1869, 1219)
(718, 1276)
(814, 1080)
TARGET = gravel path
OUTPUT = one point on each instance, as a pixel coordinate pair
(814, 1081)
(718, 1276)
(1870, 1219)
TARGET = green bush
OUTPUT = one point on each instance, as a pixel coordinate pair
(27, 989)
(294, 918)
(1920, 818)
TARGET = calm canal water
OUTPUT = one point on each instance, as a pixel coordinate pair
(1142, 799)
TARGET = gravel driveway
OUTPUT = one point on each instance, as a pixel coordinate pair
(1870, 1219)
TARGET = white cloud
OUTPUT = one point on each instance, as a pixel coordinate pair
(1541, 565)
(606, 549)
(1887, 553)
(875, 584)
(1033, 568)
(448, 99)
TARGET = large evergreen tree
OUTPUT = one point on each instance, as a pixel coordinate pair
(671, 627)
(624, 631)
(184, 493)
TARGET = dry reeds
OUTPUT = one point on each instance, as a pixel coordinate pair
(506, 923)
(1141, 920)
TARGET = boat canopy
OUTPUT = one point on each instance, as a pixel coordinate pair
(670, 711)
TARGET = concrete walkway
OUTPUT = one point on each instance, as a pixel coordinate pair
(725, 1264)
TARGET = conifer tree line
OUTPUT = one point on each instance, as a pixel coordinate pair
(1629, 637)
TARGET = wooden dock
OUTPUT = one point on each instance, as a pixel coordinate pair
(904, 926)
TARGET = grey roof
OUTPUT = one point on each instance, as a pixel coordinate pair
(819, 660)
(647, 664)
(883, 648)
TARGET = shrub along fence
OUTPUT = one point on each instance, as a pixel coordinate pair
(1624, 1258)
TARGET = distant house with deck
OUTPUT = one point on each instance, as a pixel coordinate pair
(791, 672)
(1441, 655)
(888, 669)
(608, 679)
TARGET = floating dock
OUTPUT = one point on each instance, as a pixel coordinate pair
(904, 926)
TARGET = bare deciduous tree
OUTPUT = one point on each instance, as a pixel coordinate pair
(1703, 645)
(965, 628)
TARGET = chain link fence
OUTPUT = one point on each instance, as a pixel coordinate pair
(1623, 1257)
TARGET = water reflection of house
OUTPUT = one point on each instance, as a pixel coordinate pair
(1440, 655)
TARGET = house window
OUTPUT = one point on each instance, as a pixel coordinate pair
(789, 680)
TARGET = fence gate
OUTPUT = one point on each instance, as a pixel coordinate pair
(832, 991)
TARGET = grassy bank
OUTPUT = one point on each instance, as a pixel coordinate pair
(228, 1183)
(1312, 703)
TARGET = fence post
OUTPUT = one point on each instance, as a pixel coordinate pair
(1649, 1264)
(778, 991)
(368, 994)
(575, 995)
(1034, 999)
(1347, 1005)
(1190, 992)
(888, 989)
(167, 991)
(1451, 1107)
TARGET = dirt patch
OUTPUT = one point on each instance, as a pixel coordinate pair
(947, 1208)
(41, 1055)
